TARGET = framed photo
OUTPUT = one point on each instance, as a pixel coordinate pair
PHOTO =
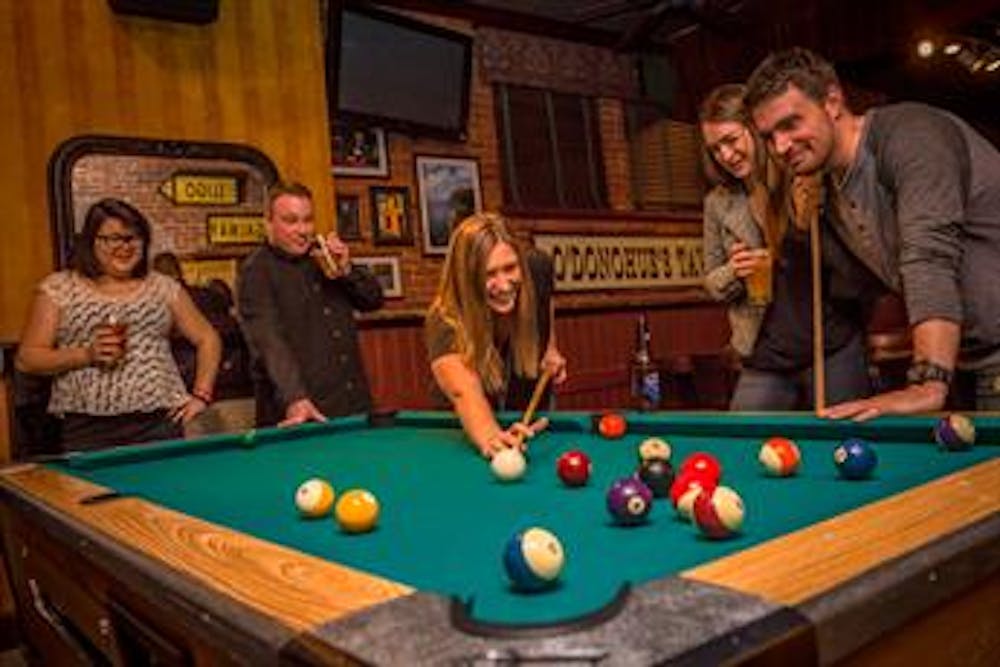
(391, 216)
(348, 217)
(359, 150)
(449, 192)
(386, 271)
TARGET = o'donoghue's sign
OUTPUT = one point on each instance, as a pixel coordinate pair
(622, 262)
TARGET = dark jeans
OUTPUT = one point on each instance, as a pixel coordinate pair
(89, 432)
(846, 379)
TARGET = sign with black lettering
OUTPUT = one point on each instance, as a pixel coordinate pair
(235, 229)
(623, 262)
(203, 189)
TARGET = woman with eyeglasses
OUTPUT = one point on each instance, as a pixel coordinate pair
(101, 329)
(757, 261)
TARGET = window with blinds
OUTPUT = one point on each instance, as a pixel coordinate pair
(550, 149)
(665, 159)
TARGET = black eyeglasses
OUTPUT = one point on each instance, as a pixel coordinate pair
(114, 241)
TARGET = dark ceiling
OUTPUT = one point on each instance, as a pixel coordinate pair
(872, 42)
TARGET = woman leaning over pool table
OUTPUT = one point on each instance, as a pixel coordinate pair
(490, 331)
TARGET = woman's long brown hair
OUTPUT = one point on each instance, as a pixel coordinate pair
(461, 303)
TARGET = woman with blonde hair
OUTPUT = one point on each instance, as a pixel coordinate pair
(490, 331)
(756, 229)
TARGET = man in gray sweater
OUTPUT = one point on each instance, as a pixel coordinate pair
(915, 194)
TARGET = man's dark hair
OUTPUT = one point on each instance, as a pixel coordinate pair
(85, 261)
(806, 70)
(281, 188)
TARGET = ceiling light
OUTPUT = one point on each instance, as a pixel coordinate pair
(993, 66)
(952, 48)
(925, 48)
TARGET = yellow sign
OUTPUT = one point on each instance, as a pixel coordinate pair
(200, 271)
(235, 229)
(616, 262)
(202, 189)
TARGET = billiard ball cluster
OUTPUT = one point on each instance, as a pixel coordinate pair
(698, 495)
(356, 511)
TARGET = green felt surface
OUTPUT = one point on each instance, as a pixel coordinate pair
(445, 519)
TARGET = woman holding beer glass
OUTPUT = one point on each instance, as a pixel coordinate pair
(756, 245)
(102, 330)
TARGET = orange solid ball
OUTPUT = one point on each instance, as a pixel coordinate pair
(612, 425)
(357, 511)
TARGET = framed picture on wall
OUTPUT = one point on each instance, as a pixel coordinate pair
(348, 217)
(359, 150)
(391, 216)
(449, 192)
(386, 271)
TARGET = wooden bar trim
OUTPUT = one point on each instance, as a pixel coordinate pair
(835, 551)
(295, 589)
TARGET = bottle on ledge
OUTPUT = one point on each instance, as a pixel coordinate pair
(643, 371)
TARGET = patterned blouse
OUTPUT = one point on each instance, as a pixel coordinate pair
(147, 378)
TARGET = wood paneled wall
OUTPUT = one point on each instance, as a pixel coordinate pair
(72, 67)
(597, 345)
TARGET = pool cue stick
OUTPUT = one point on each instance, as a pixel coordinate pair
(536, 396)
(819, 370)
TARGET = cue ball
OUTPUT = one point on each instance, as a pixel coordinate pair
(534, 559)
(357, 511)
(654, 448)
(314, 498)
(612, 425)
(574, 468)
(629, 501)
(955, 433)
(719, 513)
(855, 458)
(780, 457)
(508, 465)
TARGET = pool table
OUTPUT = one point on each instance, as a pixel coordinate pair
(193, 552)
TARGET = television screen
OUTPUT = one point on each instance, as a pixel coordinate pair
(403, 74)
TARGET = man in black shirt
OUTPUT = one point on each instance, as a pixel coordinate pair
(297, 297)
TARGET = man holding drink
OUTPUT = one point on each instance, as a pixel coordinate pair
(296, 299)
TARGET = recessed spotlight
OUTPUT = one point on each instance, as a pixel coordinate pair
(952, 48)
(925, 48)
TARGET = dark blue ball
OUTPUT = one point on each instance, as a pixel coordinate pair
(855, 458)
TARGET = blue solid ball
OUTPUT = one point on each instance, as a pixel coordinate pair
(855, 458)
(533, 559)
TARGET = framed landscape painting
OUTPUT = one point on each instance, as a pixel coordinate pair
(449, 192)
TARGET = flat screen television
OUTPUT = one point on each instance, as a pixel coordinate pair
(401, 73)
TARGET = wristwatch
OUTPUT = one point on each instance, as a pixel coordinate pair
(927, 371)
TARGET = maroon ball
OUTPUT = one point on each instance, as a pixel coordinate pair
(629, 501)
(573, 468)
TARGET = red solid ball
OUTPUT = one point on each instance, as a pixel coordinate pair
(612, 425)
(573, 468)
(703, 464)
